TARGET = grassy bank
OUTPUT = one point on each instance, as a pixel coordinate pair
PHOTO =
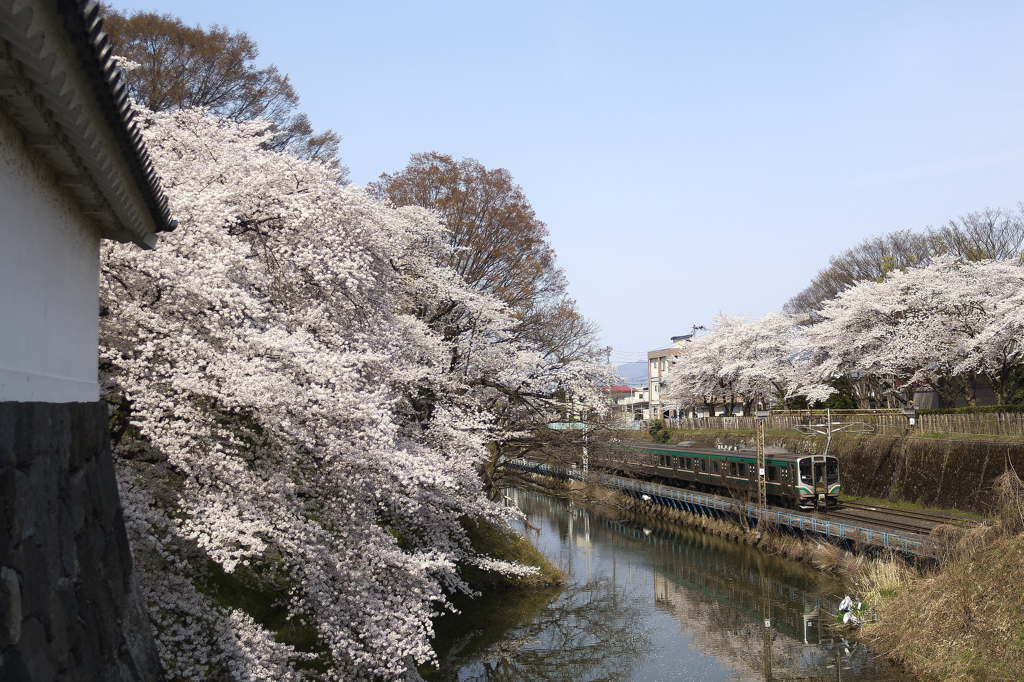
(457, 639)
(497, 544)
(964, 620)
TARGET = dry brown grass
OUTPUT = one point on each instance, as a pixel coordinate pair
(965, 620)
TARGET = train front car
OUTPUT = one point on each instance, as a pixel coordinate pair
(819, 485)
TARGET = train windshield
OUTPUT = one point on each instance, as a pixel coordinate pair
(805, 472)
(832, 471)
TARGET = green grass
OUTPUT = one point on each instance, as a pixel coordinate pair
(483, 622)
(486, 539)
(999, 438)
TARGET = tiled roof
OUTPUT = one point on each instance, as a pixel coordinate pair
(60, 85)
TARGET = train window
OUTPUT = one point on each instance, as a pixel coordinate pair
(832, 472)
(743, 469)
(805, 472)
(773, 473)
(702, 465)
(732, 468)
(714, 467)
(689, 463)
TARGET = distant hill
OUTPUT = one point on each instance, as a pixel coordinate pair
(635, 373)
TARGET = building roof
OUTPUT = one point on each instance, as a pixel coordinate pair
(60, 84)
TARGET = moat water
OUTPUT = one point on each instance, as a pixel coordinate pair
(652, 601)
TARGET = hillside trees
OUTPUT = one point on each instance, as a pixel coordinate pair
(264, 366)
(989, 234)
(179, 67)
(871, 260)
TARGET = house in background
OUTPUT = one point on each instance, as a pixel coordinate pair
(629, 403)
(73, 171)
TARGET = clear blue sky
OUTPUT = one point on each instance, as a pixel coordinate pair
(688, 157)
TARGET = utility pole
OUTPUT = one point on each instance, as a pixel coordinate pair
(586, 457)
(762, 493)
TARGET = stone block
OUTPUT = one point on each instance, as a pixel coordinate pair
(69, 605)
(10, 607)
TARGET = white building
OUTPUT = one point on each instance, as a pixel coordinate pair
(73, 171)
(658, 363)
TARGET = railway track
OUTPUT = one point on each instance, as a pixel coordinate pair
(930, 517)
(902, 520)
(878, 522)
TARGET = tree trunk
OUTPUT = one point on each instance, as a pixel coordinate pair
(999, 385)
(970, 386)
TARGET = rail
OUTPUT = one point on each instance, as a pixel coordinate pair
(721, 507)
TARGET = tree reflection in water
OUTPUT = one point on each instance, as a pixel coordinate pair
(652, 601)
(567, 640)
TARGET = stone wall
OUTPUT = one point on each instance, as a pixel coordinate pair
(69, 605)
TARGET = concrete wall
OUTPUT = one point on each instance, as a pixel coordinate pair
(69, 606)
(49, 283)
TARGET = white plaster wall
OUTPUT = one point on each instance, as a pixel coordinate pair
(49, 283)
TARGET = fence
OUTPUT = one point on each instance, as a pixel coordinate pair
(1000, 424)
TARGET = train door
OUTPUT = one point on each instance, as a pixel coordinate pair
(820, 484)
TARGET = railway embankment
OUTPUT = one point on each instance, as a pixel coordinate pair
(945, 474)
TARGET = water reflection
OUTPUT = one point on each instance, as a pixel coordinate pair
(649, 601)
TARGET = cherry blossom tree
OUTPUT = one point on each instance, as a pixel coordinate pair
(283, 417)
(736, 362)
(938, 325)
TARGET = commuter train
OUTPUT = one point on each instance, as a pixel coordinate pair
(797, 481)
